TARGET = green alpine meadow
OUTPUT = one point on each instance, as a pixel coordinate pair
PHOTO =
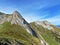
(15, 30)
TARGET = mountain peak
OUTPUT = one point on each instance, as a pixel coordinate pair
(17, 13)
(16, 18)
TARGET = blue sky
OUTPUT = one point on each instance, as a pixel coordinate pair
(34, 10)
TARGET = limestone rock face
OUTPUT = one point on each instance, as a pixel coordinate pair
(16, 18)
(45, 24)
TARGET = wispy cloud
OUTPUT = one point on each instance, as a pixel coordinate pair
(54, 20)
(30, 17)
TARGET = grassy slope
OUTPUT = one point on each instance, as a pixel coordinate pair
(16, 32)
(56, 28)
(46, 34)
(57, 33)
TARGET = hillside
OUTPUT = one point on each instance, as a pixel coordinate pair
(16, 35)
(15, 30)
(50, 34)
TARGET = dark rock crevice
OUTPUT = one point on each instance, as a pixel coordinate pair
(4, 41)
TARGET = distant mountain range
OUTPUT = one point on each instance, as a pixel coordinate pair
(15, 30)
(58, 25)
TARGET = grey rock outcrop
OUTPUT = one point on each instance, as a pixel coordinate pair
(45, 24)
(16, 18)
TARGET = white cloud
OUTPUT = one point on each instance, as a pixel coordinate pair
(33, 17)
(30, 17)
(54, 20)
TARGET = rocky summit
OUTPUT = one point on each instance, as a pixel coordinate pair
(15, 30)
(16, 18)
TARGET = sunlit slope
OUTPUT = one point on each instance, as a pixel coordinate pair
(17, 35)
(50, 36)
